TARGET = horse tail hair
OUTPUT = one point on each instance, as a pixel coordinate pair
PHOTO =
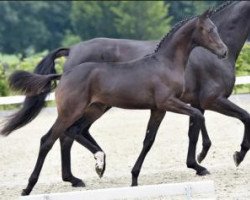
(33, 105)
(32, 84)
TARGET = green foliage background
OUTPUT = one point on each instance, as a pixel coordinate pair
(243, 68)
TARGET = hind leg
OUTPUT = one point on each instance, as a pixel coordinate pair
(89, 143)
(79, 132)
(47, 141)
(66, 144)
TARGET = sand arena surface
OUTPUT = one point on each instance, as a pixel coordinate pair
(120, 133)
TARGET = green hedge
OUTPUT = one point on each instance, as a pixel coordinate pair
(10, 63)
(243, 69)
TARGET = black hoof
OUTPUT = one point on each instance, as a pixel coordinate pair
(203, 172)
(237, 159)
(200, 158)
(78, 183)
(134, 184)
(100, 172)
(25, 192)
(75, 182)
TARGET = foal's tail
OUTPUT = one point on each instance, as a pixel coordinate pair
(32, 105)
(32, 84)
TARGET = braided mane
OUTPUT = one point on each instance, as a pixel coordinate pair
(176, 27)
(222, 6)
(179, 24)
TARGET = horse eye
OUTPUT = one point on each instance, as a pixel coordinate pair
(210, 30)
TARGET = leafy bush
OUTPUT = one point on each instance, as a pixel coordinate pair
(243, 61)
(243, 68)
(10, 63)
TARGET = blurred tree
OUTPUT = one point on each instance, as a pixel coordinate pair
(120, 19)
(56, 17)
(20, 29)
(28, 26)
(141, 19)
(93, 19)
(70, 39)
(182, 9)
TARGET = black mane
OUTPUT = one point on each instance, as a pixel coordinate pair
(179, 24)
(176, 27)
(222, 6)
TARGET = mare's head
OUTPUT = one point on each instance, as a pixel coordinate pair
(207, 36)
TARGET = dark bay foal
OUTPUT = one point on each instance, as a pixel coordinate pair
(154, 82)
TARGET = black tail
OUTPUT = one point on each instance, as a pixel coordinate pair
(32, 84)
(32, 105)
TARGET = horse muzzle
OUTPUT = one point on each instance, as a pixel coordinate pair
(223, 54)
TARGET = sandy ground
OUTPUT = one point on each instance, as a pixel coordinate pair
(120, 133)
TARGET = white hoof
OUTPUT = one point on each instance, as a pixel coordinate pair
(100, 161)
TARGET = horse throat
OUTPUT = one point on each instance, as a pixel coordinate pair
(234, 26)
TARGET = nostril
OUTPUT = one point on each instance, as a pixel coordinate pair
(225, 54)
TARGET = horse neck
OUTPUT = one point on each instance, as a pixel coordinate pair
(178, 48)
(234, 26)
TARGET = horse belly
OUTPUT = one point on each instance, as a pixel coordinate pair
(125, 99)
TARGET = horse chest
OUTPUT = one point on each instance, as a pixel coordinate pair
(176, 83)
(173, 86)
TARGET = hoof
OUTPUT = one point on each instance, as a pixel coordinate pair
(25, 192)
(134, 184)
(200, 158)
(203, 172)
(78, 183)
(100, 163)
(237, 159)
(75, 182)
(99, 171)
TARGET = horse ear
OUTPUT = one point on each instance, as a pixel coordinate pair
(206, 14)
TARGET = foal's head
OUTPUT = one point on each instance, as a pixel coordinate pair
(207, 36)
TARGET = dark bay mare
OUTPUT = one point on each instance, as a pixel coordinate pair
(154, 82)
